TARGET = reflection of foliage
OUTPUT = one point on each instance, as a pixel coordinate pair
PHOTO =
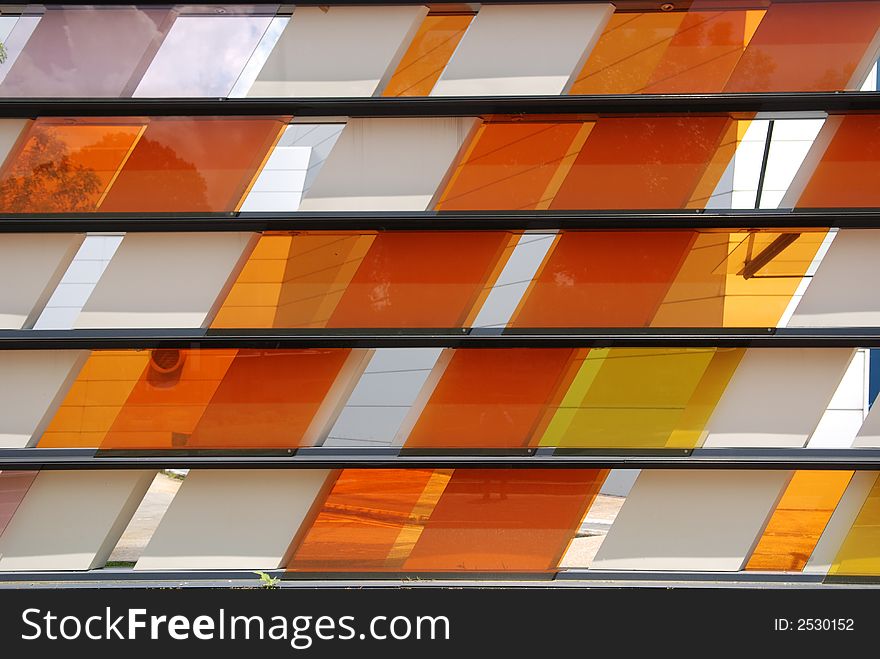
(45, 179)
(2, 53)
(176, 182)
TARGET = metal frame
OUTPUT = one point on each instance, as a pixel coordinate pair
(565, 578)
(446, 106)
(551, 220)
(269, 339)
(397, 458)
(622, 5)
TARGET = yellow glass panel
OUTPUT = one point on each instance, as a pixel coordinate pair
(641, 398)
(798, 521)
(860, 553)
(763, 271)
(738, 279)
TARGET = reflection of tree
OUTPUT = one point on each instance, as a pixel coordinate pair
(45, 179)
(175, 182)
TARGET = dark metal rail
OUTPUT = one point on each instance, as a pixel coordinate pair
(551, 220)
(395, 458)
(445, 106)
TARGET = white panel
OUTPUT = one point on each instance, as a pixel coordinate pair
(811, 161)
(870, 84)
(619, 482)
(791, 141)
(837, 429)
(72, 520)
(847, 408)
(869, 434)
(258, 59)
(388, 164)
(691, 520)
(233, 519)
(841, 522)
(777, 396)
(292, 167)
(515, 277)
(523, 49)
(165, 280)
(31, 265)
(843, 292)
(383, 396)
(10, 131)
(32, 385)
(78, 282)
(338, 51)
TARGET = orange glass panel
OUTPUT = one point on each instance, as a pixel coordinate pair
(65, 165)
(798, 521)
(193, 164)
(807, 46)
(268, 398)
(364, 280)
(627, 53)
(703, 53)
(401, 269)
(370, 520)
(514, 165)
(169, 399)
(505, 519)
(253, 299)
(645, 162)
(95, 399)
(428, 54)
(790, 46)
(738, 279)
(848, 175)
(490, 398)
(604, 279)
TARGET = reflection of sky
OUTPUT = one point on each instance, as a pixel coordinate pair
(203, 56)
(261, 54)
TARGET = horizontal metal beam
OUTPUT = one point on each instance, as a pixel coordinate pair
(444, 106)
(458, 6)
(566, 578)
(371, 458)
(550, 220)
(269, 339)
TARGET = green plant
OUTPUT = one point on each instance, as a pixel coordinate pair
(267, 581)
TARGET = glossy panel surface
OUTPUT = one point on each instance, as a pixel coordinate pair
(799, 520)
(175, 399)
(715, 47)
(428, 54)
(86, 51)
(363, 280)
(163, 164)
(859, 555)
(448, 521)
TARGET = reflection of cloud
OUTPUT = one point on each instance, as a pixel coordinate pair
(203, 55)
(261, 54)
